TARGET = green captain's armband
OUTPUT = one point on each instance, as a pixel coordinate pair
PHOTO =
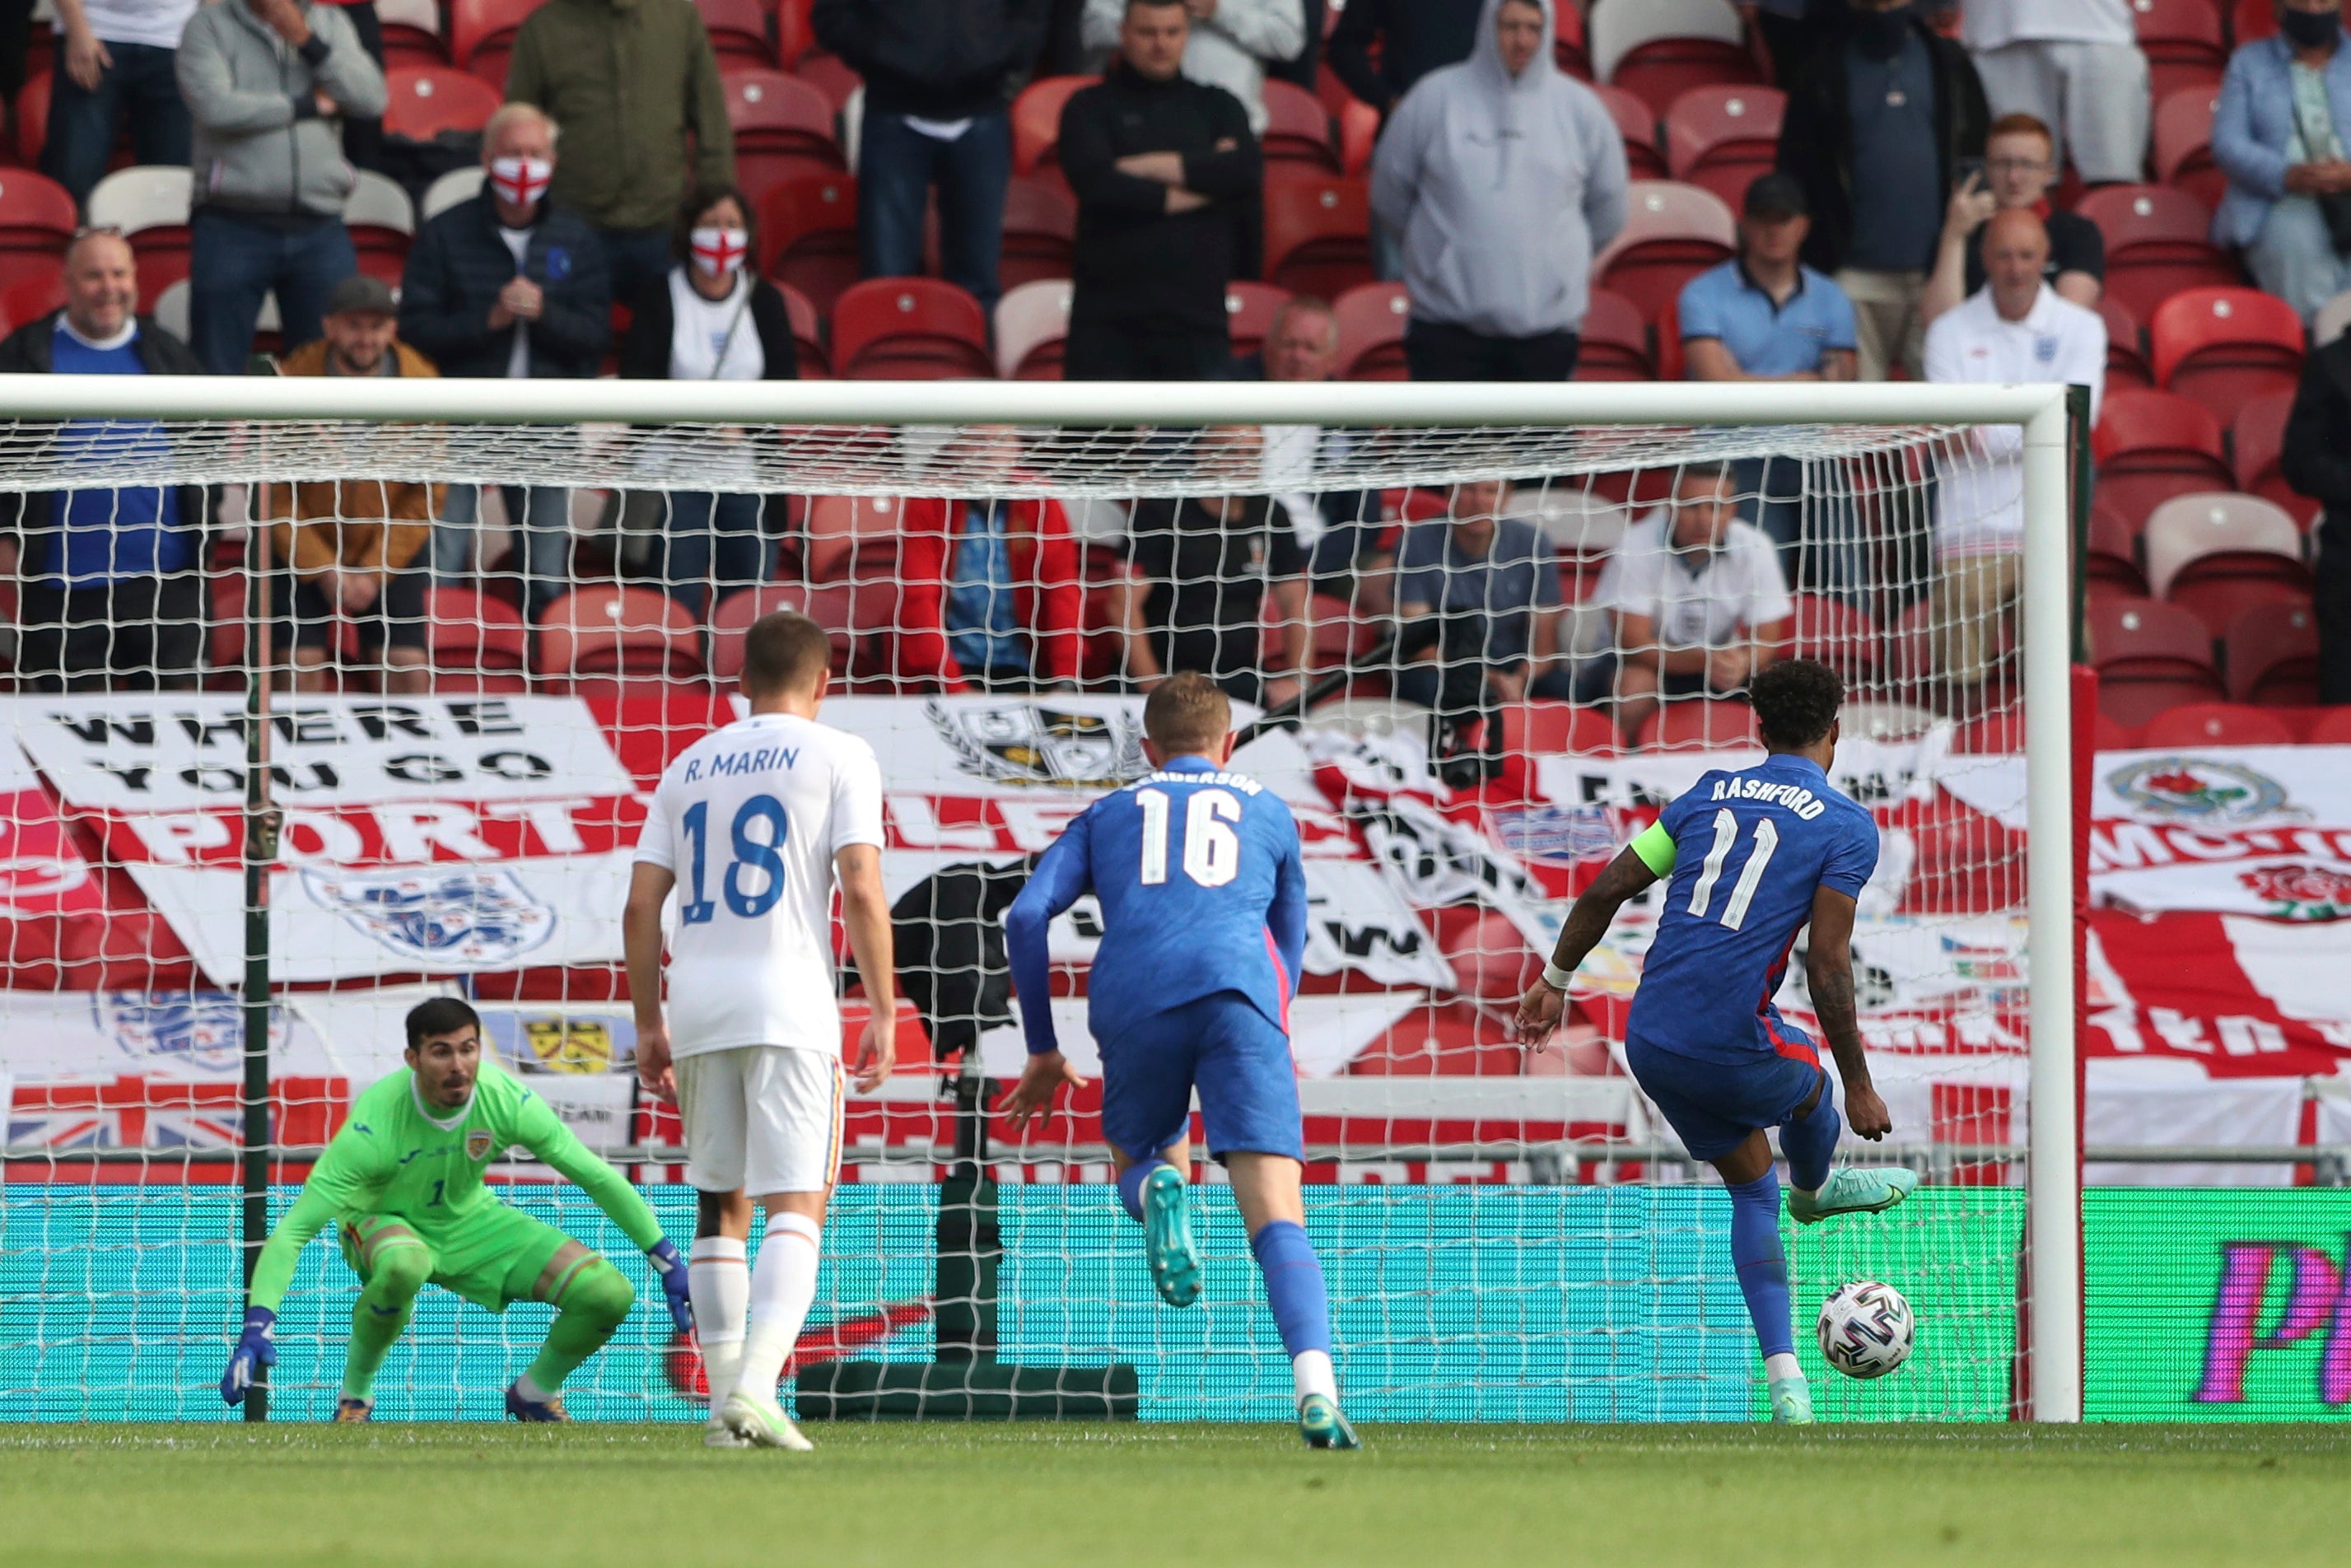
(1656, 848)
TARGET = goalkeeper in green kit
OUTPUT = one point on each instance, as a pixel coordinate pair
(402, 1181)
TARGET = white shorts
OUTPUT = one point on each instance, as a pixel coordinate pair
(761, 1119)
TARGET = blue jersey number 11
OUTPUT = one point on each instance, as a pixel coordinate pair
(1743, 892)
(762, 855)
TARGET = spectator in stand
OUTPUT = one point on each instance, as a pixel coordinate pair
(1767, 317)
(990, 597)
(636, 84)
(1380, 48)
(1162, 166)
(713, 318)
(1203, 568)
(265, 81)
(2280, 134)
(508, 284)
(2016, 329)
(1486, 583)
(352, 548)
(1876, 126)
(2318, 463)
(113, 593)
(1701, 607)
(115, 69)
(2074, 66)
(1504, 177)
(1350, 556)
(2019, 160)
(1229, 44)
(363, 133)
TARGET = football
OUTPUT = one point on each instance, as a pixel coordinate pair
(1865, 1329)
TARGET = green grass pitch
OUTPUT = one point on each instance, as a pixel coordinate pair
(1040, 1495)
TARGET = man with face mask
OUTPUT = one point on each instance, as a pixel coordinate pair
(1876, 126)
(2280, 134)
(509, 285)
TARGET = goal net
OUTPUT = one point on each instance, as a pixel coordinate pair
(327, 697)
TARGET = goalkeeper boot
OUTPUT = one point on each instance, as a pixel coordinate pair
(1319, 1423)
(534, 1411)
(1851, 1191)
(1168, 1236)
(761, 1423)
(349, 1409)
(1792, 1402)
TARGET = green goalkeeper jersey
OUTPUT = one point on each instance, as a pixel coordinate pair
(395, 1158)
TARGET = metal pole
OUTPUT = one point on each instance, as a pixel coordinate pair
(260, 851)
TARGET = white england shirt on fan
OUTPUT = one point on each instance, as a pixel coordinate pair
(749, 820)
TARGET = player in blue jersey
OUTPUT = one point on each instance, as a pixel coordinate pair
(1203, 902)
(1753, 856)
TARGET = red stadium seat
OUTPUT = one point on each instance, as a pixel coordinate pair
(610, 641)
(2001, 734)
(2332, 727)
(840, 527)
(36, 220)
(411, 34)
(422, 101)
(2113, 554)
(826, 604)
(808, 226)
(1370, 318)
(1297, 127)
(2250, 20)
(1032, 325)
(1036, 120)
(2183, 137)
(1615, 346)
(2258, 440)
(2272, 657)
(2127, 369)
(909, 328)
(2149, 656)
(2153, 445)
(1359, 129)
(2217, 556)
(28, 299)
(32, 118)
(739, 32)
(795, 33)
(1569, 48)
(1698, 724)
(829, 76)
(482, 35)
(1040, 231)
(2183, 45)
(1673, 233)
(1844, 639)
(1249, 307)
(1552, 728)
(474, 642)
(1659, 49)
(2214, 723)
(2225, 346)
(1645, 154)
(783, 129)
(1318, 231)
(1722, 138)
(808, 334)
(2158, 244)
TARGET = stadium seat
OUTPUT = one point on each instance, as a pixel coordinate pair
(2225, 346)
(149, 202)
(1554, 728)
(31, 119)
(830, 76)
(2257, 439)
(1645, 154)
(382, 223)
(482, 35)
(2152, 445)
(1359, 130)
(1698, 724)
(2214, 723)
(2001, 734)
(1722, 138)
(1040, 231)
(2127, 369)
(474, 642)
(1673, 233)
(2113, 554)
(36, 220)
(2158, 244)
(783, 129)
(2183, 137)
(28, 299)
(1659, 49)
(808, 226)
(2332, 727)
(2273, 656)
(2218, 555)
(1570, 49)
(1317, 231)
(1036, 120)
(2185, 49)
(1370, 318)
(795, 32)
(1673, 365)
(1844, 639)
(613, 641)
(457, 185)
(839, 526)
(909, 328)
(739, 32)
(808, 335)
(2252, 19)
(411, 34)
(1032, 321)
(2149, 656)
(1297, 127)
(827, 604)
(1615, 346)
(1248, 312)
(422, 101)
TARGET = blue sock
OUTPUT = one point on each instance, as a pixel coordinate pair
(1294, 1284)
(1812, 1143)
(1130, 1185)
(1763, 1267)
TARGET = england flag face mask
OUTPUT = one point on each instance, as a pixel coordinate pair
(718, 252)
(521, 182)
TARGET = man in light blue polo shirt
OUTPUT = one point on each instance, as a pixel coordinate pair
(1767, 317)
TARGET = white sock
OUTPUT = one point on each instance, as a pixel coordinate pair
(783, 1287)
(1310, 1372)
(720, 1281)
(1783, 1364)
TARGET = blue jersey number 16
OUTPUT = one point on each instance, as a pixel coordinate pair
(762, 855)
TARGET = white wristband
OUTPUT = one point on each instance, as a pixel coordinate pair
(1557, 979)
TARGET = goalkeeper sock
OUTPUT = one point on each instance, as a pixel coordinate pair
(1130, 1185)
(1763, 1267)
(398, 1274)
(720, 1280)
(1810, 1143)
(783, 1287)
(1301, 1302)
(594, 1304)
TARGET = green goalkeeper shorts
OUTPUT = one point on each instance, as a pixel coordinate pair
(491, 1257)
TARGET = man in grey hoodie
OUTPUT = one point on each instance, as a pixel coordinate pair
(268, 83)
(1505, 177)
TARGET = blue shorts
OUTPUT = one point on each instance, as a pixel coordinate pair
(1715, 1105)
(1237, 1058)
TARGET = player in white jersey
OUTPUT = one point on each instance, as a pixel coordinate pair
(752, 827)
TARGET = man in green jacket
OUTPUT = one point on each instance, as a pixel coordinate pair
(635, 87)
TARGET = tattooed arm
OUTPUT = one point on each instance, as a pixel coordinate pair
(1587, 923)
(1828, 966)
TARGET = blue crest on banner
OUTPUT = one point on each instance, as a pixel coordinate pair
(468, 916)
